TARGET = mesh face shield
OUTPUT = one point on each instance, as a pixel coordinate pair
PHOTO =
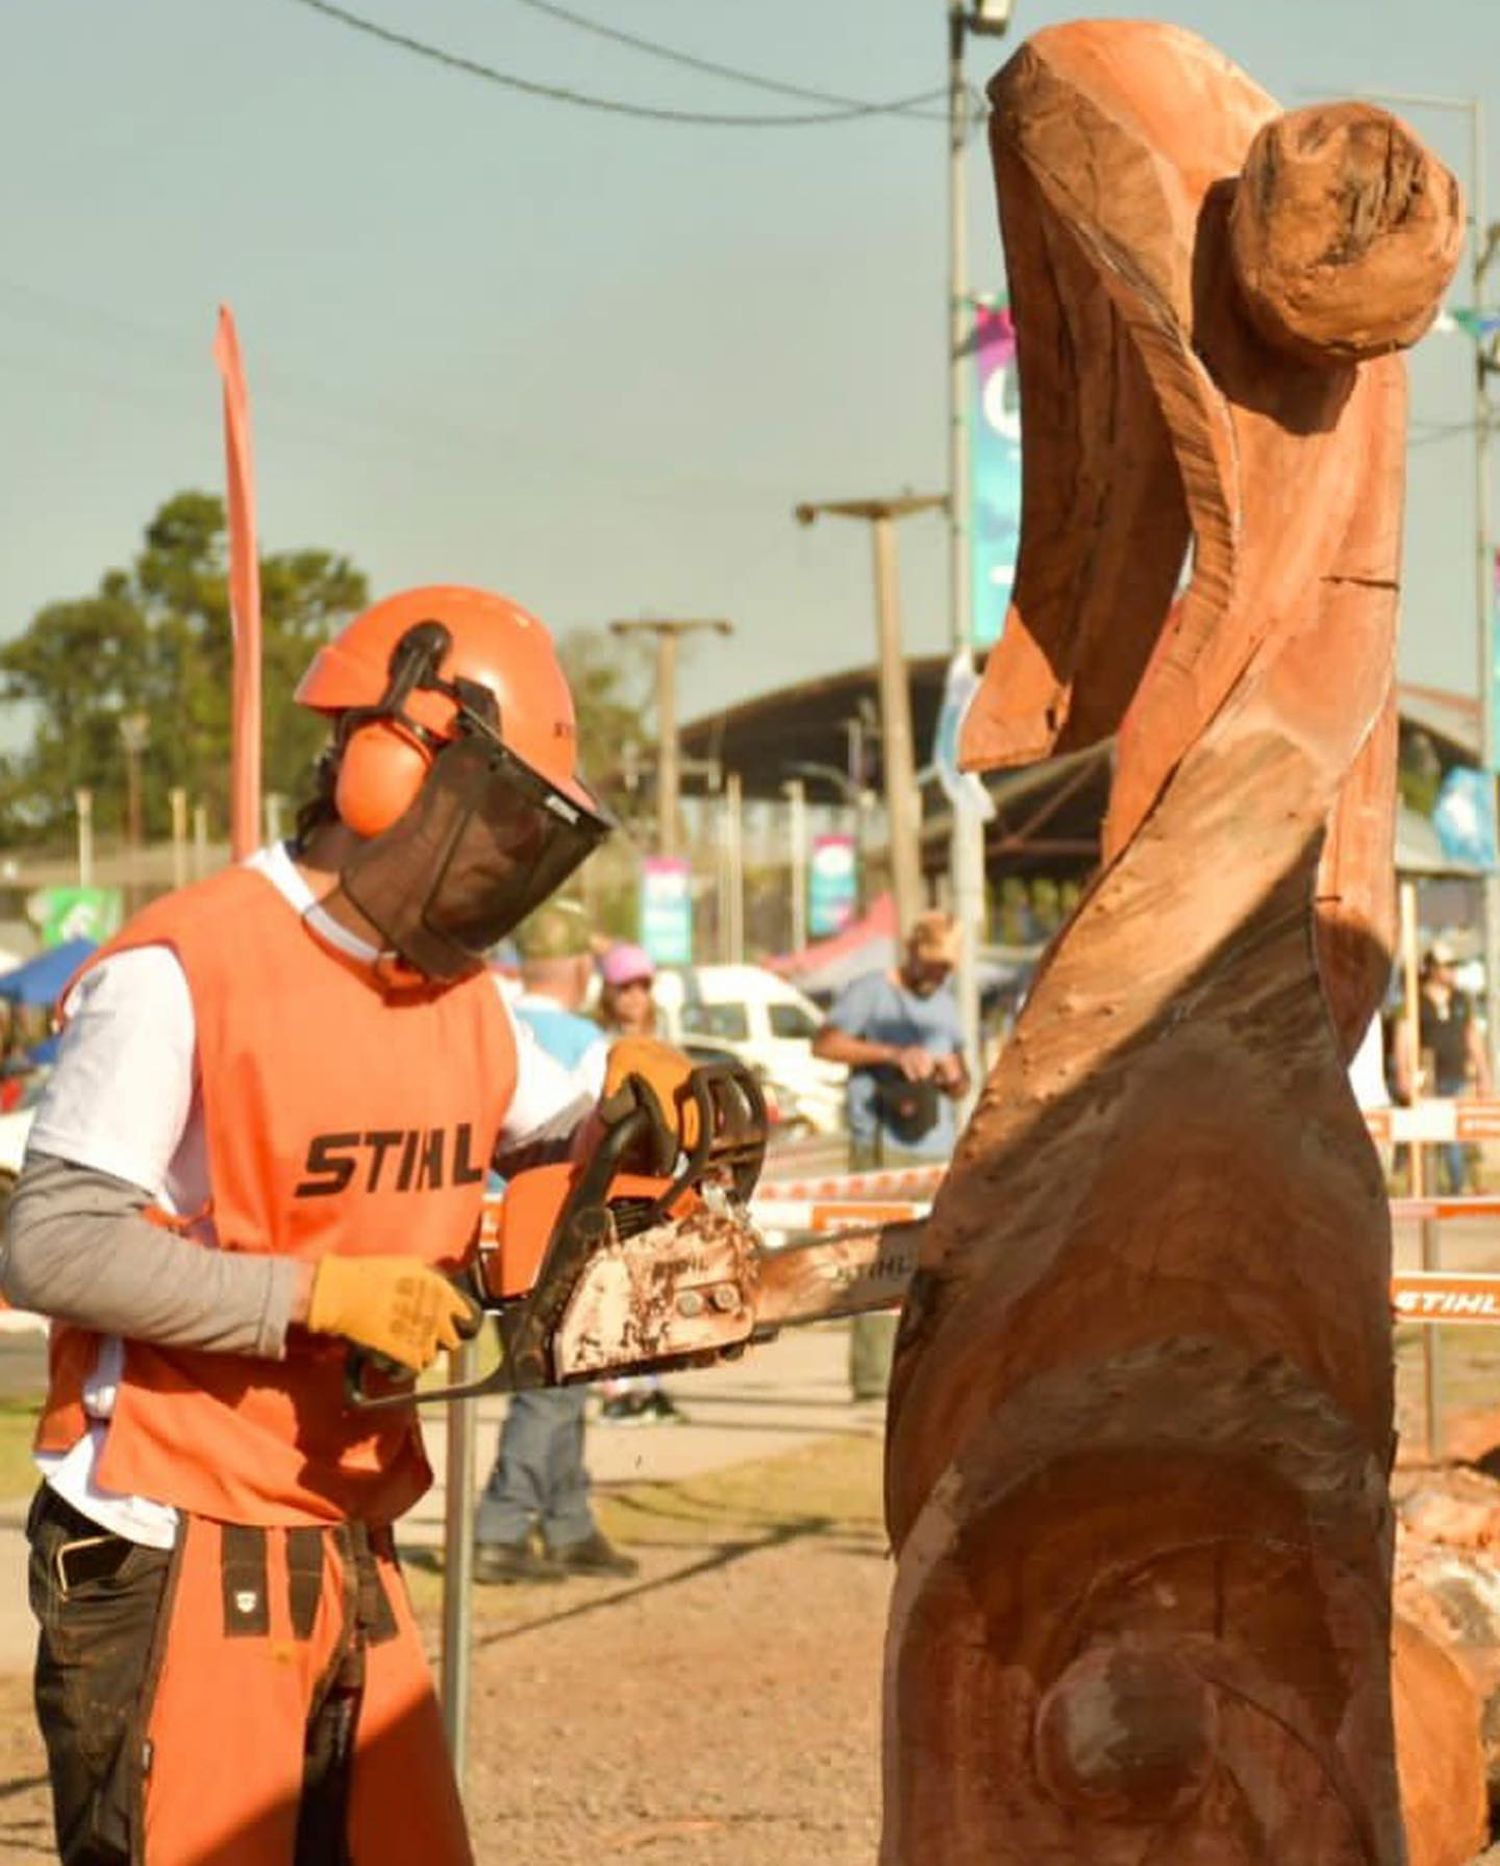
(485, 842)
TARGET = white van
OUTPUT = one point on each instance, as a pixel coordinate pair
(756, 1015)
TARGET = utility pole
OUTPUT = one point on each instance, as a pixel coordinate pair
(796, 796)
(668, 780)
(903, 805)
(966, 848)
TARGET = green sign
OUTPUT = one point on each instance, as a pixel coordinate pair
(76, 913)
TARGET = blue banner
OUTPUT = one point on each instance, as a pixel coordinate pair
(667, 910)
(1464, 817)
(995, 472)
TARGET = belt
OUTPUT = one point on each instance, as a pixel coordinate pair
(88, 1552)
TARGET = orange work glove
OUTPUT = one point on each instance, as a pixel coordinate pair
(662, 1074)
(393, 1306)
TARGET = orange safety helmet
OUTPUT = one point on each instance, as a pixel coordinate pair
(493, 645)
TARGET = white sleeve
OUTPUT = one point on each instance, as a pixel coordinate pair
(550, 1099)
(119, 1096)
(588, 1071)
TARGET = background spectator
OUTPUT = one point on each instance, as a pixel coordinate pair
(901, 1035)
(627, 1009)
(1451, 1057)
(535, 1522)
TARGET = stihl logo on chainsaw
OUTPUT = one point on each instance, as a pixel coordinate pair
(414, 1159)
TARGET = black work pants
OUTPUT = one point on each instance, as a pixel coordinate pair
(97, 1599)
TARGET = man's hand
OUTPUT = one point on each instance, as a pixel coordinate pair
(393, 1306)
(915, 1063)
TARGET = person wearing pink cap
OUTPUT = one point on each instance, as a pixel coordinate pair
(627, 1009)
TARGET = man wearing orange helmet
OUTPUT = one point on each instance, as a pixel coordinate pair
(267, 1136)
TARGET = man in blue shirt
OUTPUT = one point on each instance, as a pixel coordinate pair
(902, 1038)
(539, 1485)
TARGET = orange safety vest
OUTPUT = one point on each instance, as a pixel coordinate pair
(338, 1119)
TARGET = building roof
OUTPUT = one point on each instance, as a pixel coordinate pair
(826, 731)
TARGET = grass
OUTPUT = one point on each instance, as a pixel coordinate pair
(17, 1427)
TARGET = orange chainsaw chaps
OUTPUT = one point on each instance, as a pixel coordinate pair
(241, 1665)
(519, 1223)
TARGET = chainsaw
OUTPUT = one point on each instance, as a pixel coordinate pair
(643, 1257)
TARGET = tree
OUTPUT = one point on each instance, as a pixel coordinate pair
(155, 639)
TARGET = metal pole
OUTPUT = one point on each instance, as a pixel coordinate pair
(902, 803)
(796, 792)
(1432, 1363)
(200, 840)
(458, 1562)
(966, 846)
(83, 802)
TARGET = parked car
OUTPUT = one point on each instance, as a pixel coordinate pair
(753, 1014)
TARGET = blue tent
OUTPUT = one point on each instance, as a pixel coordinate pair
(40, 980)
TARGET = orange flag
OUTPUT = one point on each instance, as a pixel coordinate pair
(244, 595)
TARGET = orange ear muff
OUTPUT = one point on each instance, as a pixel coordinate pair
(380, 773)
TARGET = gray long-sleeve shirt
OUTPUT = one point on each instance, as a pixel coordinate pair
(78, 1247)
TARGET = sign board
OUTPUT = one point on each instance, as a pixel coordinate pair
(63, 914)
(667, 910)
(1464, 816)
(995, 472)
(833, 885)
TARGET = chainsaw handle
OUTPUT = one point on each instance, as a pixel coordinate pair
(360, 1362)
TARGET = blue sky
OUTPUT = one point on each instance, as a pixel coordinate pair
(588, 360)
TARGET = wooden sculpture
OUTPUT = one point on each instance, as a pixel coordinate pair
(1141, 1419)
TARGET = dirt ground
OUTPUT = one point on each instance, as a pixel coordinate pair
(721, 1710)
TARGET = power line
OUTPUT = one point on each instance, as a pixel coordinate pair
(1425, 433)
(898, 106)
(615, 106)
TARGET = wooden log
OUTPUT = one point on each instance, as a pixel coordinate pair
(1141, 1417)
(1444, 1794)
